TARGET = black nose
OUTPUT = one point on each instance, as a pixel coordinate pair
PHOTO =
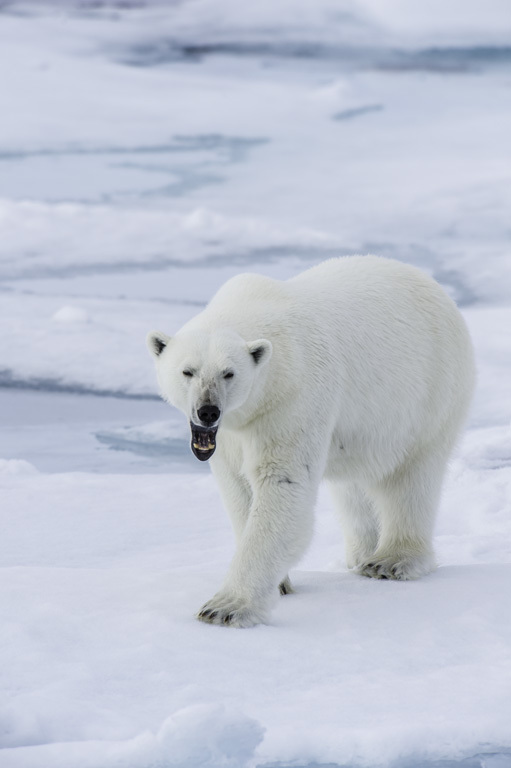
(208, 414)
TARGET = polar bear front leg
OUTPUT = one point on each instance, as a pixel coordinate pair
(235, 491)
(278, 530)
(236, 495)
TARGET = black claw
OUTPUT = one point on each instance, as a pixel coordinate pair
(228, 618)
(207, 613)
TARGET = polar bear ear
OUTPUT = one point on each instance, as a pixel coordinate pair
(156, 342)
(260, 350)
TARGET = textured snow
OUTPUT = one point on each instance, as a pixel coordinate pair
(148, 152)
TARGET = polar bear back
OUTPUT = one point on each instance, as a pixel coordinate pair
(391, 321)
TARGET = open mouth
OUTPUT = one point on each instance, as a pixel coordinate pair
(203, 441)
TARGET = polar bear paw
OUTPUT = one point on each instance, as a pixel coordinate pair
(399, 568)
(231, 610)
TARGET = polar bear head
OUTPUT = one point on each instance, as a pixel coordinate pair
(207, 375)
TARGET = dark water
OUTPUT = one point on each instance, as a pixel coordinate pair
(490, 759)
(441, 60)
(65, 431)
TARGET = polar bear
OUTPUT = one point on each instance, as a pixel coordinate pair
(360, 371)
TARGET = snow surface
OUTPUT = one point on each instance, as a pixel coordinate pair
(148, 152)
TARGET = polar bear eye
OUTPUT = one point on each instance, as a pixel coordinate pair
(187, 373)
(228, 375)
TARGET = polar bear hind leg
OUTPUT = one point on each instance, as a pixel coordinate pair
(406, 504)
(358, 522)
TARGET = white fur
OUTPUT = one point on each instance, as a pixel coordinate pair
(364, 377)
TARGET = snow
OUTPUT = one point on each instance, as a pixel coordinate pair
(148, 152)
(70, 314)
(97, 611)
(16, 467)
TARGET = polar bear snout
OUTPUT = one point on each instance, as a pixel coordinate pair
(204, 434)
(208, 414)
(203, 441)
